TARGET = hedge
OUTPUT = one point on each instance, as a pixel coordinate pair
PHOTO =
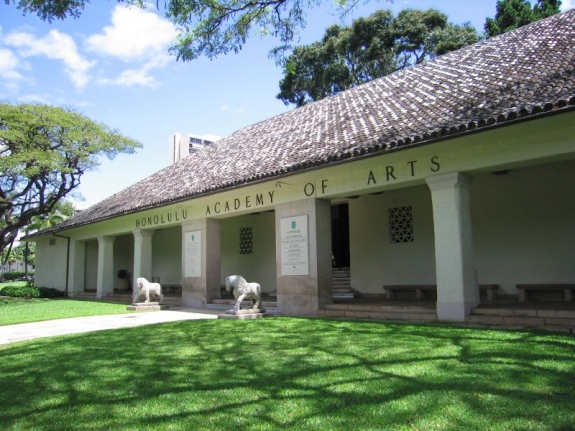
(31, 292)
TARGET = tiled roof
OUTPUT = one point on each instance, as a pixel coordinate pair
(518, 75)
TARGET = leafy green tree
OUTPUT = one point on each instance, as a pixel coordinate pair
(370, 48)
(44, 151)
(206, 27)
(23, 252)
(62, 211)
(26, 251)
(512, 14)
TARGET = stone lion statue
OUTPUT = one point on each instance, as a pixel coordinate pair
(146, 288)
(244, 290)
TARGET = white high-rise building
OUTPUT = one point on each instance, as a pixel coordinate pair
(183, 145)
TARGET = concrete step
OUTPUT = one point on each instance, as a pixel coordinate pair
(526, 312)
(343, 296)
(231, 302)
(380, 312)
(126, 298)
(270, 307)
(563, 320)
(82, 295)
(172, 301)
(118, 297)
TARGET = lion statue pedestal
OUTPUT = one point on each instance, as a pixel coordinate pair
(147, 290)
(243, 290)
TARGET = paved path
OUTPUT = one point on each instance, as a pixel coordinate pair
(30, 331)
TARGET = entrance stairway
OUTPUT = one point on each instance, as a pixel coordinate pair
(341, 279)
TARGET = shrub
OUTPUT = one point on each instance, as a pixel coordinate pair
(20, 292)
(31, 292)
(50, 292)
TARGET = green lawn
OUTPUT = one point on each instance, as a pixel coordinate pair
(13, 283)
(25, 310)
(290, 373)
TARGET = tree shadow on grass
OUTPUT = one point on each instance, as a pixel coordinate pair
(290, 373)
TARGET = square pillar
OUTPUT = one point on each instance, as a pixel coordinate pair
(457, 290)
(303, 294)
(201, 262)
(142, 254)
(105, 283)
(77, 269)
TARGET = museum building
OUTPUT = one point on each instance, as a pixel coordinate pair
(455, 173)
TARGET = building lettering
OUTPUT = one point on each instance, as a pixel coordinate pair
(388, 174)
(239, 203)
(391, 174)
(159, 219)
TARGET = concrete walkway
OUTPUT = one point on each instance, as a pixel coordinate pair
(76, 325)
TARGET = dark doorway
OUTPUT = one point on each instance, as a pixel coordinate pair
(340, 235)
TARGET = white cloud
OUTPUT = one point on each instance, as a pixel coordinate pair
(241, 110)
(56, 46)
(48, 98)
(9, 64)
(35, 98)
(131, 77)
(135, 34)
(224, 107)
(567, 4)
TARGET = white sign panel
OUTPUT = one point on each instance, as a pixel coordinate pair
(193, 254)
(294, 246)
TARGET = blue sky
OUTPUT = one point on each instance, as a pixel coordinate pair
(112, 65)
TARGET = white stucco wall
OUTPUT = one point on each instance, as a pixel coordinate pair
(259, 267)
(523, 231)
(51, 263)
(167, 255)
(374, 260)
(523, 225)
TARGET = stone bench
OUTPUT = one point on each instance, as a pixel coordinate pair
(544, 292)
(424, 291)
(419, 289)
(488, 291)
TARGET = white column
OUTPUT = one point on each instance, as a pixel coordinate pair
(304, 295)
(142, 254)
(105, 283)
(457, 291)
(201, 269)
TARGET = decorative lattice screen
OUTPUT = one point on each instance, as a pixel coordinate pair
(400, 224)
(246, 240)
